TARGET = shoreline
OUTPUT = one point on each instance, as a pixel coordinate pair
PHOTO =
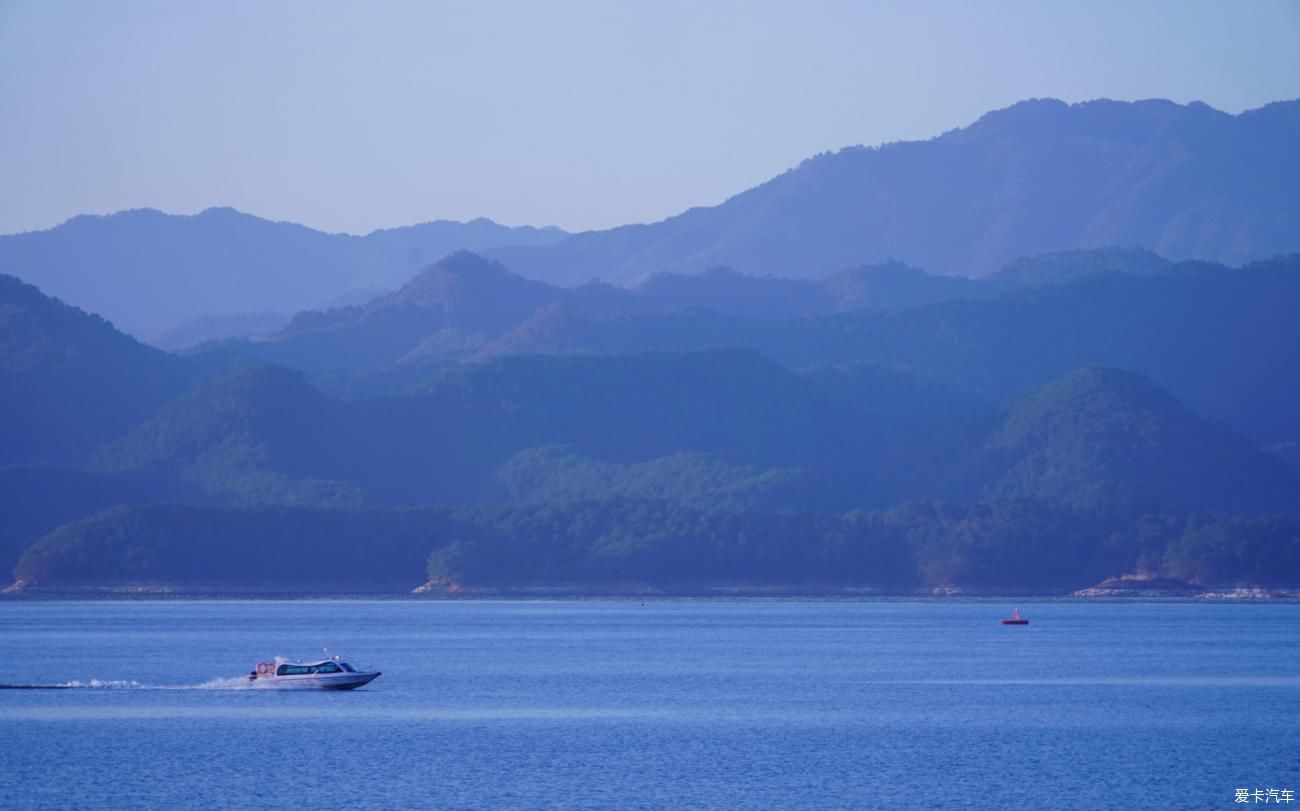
(628, 592)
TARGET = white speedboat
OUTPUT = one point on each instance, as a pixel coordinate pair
(322, 674)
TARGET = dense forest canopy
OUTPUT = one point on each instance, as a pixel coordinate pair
(957, 443)
(1005, 545)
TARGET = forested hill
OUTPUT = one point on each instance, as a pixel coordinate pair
(1225, 341)
(1186, 181)
(69, 381)
(1043, 431)
(854, 437)
(1003, 547)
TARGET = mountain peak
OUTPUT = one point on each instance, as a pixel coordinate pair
(463, 262)
(1184, 180)
(438, 283)
(224, 211)
(1030, 112)
(1104, 118)
(1111, 428)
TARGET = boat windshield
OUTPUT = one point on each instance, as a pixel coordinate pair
(347, 667)
(306, 670)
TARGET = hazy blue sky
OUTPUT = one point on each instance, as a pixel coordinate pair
(355, 116)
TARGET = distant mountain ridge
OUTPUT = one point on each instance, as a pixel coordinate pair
(467, 307)
(1185, 181)
(147, 271)
(1041, 176)
(1224, 341)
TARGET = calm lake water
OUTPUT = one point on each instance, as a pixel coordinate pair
(674, 704)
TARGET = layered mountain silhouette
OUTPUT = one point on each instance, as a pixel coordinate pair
(643, 430)
(1042, 176)
(205, 328)
(916, 366)
(466, 307)
(835, 438)
(1223, 340)
(455, 302)
(1185, 181)
(69, 380)
(613, 410)
(150, 272)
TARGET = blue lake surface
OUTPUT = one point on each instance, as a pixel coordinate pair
(674, 704)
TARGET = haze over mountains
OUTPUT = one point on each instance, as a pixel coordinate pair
(1038, 425)
(149, 272)
(465, 307)
(1205, 331)
(1183, 181)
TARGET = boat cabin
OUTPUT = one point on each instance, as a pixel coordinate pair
(312, 668)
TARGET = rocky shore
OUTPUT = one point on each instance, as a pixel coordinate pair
(1143, 587)
(1129, 587)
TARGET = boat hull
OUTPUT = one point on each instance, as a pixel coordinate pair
(341, 681)
(352, 682)
(1015, 622)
